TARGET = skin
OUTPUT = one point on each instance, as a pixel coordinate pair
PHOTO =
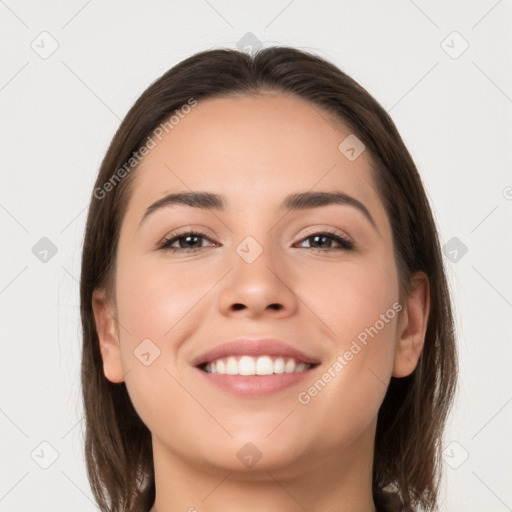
(316, 456)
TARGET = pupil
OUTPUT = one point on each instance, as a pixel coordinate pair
(317, 237)
(187, 239)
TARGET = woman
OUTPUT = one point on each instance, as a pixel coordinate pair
(266, 319)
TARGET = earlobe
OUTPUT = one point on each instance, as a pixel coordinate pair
(108, 338)
(412, 326)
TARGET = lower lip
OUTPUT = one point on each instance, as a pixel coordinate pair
(256, 385)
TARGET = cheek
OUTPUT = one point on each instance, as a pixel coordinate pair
(158, 306)
(349, 298)
(360, 306)
(155, 304)
(156, 299)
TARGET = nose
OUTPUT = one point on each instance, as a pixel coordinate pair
(259, 283)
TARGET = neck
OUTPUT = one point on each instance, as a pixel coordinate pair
(331, 481)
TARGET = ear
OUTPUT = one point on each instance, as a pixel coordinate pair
(106, 327)
(412, 326)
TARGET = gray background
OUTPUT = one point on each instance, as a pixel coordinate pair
(452, 105)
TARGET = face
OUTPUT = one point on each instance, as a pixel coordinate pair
(321, 279)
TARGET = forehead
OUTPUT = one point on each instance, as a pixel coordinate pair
(253, 149)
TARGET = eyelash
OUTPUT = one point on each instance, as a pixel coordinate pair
(346, 244)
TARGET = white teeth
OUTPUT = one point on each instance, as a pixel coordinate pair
(290, 366)
(279, 365)
(262, 365)
(231, 366)
(246, 366)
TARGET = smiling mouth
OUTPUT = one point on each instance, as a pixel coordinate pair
(261, 365)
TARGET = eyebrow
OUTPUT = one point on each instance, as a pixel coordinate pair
(293, 202)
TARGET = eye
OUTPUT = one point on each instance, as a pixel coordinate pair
(320, 237)
(186, 241)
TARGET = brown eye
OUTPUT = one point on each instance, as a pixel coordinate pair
(187, 242)
(319, 239)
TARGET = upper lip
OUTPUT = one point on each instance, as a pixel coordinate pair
(253, 347)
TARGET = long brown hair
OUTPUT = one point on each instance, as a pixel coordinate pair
(411, 419)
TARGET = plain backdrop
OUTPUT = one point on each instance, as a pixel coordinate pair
(70, 72)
